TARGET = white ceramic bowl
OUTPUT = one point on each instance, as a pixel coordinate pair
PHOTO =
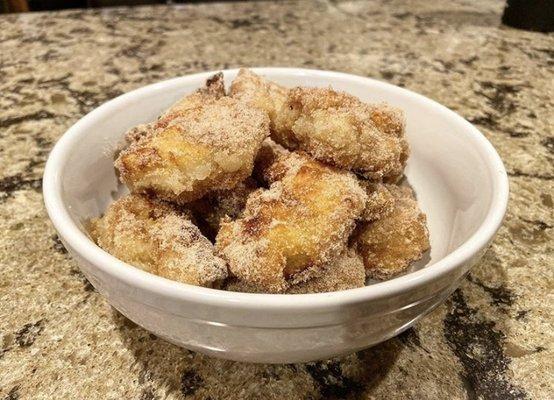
(460, 183)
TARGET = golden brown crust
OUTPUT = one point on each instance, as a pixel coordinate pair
(262, 94)
(203, 143)
(332, 126)
(157, 238)
(338, 128)
(213, 90)
(389, 244)
(291, 231)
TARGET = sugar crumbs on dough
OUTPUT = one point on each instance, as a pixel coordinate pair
(158, 238)
(298, 188)
(205, 142)
(389, 244)
(291, 231)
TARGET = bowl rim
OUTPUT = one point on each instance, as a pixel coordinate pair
(86, 248)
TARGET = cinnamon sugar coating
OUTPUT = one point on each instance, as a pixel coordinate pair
(380, 201)
(296, 187)
(158, 238)
(258, 92)
(389, 244)
(334, 127)
(347, 272)
(294, 229)
(339, 129)
(205, 142)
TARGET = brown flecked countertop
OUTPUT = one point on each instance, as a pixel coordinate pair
(492, 339)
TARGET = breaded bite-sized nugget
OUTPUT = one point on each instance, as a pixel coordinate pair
(259, 92)
(347, 272)
(291, 231)
(338, 128)
(211, 209)
(389, 244)
(333, 127)
(204, 144)
(157, 238)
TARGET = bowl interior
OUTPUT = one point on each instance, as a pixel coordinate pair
(447, 169)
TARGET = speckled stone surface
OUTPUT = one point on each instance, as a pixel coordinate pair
(493, 337)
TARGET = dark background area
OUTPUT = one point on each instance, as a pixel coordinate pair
(10, 6)
(533, 15)
(39, 5)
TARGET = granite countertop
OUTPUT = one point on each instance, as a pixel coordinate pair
(492, 339)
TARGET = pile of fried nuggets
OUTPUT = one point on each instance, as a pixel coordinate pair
(268, 190)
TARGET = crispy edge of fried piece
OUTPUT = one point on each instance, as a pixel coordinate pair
(340, 129)
(138, 132)
(213, 89)
(347, 272)
(380, 201)
(291, 231)
(389, 244)
(158, 238)
(259, 92)
(217, 206)
(211, 149)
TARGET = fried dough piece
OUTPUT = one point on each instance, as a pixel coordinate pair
(389, 244)
(338, 128)
(380, 201)
(157, 238)
(203, 143)
(213, 208)
(260, 93)
(347, 272)
(332, 126)
(270, 166)
(291, 231)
